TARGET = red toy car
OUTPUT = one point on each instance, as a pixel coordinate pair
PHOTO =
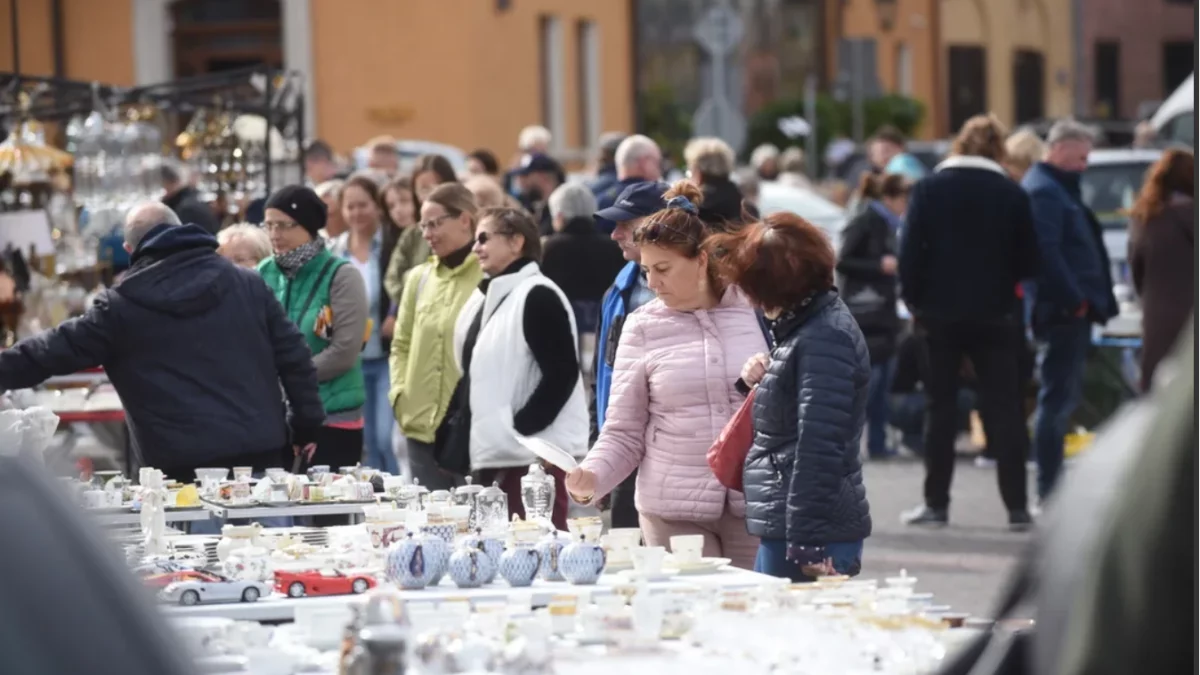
(323, 582)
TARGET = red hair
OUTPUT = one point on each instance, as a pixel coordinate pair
(1174, 172)
(778, 262)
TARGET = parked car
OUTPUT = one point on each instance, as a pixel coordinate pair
(1109, 187)
(210, 588)
(410, 150)
(322, 582)
(164, 579)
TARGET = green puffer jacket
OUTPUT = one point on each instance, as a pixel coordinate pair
(423, 367)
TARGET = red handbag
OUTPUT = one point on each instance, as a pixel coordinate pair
(728, 453)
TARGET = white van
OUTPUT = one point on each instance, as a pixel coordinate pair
(1175, 119)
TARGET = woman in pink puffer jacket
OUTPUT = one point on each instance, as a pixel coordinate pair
(673, 391)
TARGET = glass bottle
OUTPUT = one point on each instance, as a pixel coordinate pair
(537, 493)
(465, 496)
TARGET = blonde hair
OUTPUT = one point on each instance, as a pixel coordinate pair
(488, 193)
(252, 234)
(1024, 148)
(710, 157)
(456, 199)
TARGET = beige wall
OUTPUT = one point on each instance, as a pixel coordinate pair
(97, 39)
(456, 71)
(1004, 26)
(914, 28)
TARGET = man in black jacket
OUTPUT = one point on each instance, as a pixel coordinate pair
(967, 242)
(195, 346)
(185, 201)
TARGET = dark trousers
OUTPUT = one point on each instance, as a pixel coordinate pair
(994, 352)
(1063, 364)
(772, 560)
(259, 461)
(624, 512)
(509, 480)
(336, 448)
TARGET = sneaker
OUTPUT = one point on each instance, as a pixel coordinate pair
(926, 516)
(1019, 521)
(982, 462)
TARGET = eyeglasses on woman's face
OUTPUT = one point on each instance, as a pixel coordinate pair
(281, 225)
(434, 223)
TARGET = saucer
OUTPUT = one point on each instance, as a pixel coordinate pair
(618, 565)
(664, 574)
(702, 566)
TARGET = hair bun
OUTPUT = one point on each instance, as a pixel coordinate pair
(686, 189)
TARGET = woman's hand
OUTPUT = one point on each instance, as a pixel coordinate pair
(388, 327)
(889, 265)
(581, 484)
(755, 369)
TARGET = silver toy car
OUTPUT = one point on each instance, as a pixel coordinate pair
(211, 587)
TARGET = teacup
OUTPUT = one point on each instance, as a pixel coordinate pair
(590, 527)
(648, 560)
(277, 475)
(687, 549)
(616, 549)
(242, 473)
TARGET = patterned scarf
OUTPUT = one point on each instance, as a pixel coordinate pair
(291, 262)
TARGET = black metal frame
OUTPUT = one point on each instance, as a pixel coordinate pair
(250, 91)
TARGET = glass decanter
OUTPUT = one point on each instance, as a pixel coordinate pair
(537, 493)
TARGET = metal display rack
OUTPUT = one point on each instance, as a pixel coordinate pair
(275, 95)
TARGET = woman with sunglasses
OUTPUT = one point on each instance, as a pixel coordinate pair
(423, 367)
(327, 300)
(673, 390)
(517, 339)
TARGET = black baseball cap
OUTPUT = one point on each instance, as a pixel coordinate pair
(539, 163)
(636, 201)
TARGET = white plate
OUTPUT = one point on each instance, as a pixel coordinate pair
(548, 452)
(703, 566)
(664, 574)
(618, 566)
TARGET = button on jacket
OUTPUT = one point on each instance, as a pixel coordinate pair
(803, 477)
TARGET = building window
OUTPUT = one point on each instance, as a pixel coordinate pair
(904, 85)
(588, 82)
(1178, 62)
(551, 43)
(1107, 72)
(216, 35)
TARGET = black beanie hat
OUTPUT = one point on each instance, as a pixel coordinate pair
(302, 205)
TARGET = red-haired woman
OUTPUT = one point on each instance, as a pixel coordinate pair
(674, 389)
(804, 489)
(1162, 254)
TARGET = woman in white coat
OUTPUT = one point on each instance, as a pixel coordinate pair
(517, 342)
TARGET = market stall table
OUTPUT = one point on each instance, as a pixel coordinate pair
(117, 518)
(280, 609)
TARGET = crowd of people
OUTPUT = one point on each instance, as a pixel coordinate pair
(429, 323)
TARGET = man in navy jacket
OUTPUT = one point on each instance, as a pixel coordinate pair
(197, 349)
(1072, 292)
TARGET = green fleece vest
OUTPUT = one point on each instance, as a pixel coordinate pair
(346, 391)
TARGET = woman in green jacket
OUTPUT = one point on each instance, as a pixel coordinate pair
(327, 300)
(424, 369)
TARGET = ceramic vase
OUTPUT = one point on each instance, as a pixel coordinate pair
(469, 567)
(410, 563)
(519, 565)
(550, 553)
(582, 562)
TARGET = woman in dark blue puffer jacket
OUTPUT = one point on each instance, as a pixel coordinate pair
(803, 478)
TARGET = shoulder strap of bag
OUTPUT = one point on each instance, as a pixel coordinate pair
(312, 292)
(424, 277)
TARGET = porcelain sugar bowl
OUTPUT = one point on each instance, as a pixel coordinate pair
(550, 550)
(248, 563)
(469, 567)
(582, 562)
(437, 555)
(494, 548)
(519, 565)
(411, 563)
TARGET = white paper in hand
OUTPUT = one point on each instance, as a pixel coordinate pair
(548, 452)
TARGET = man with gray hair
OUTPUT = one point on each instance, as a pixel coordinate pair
(184, 200)
(581, 260)
(639, 160)
(1072, 292)
(197, 349)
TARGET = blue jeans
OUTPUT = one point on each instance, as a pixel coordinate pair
(378, 418)
(907, 413)
(877, 408)
(1063, 359)
(772, 559)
